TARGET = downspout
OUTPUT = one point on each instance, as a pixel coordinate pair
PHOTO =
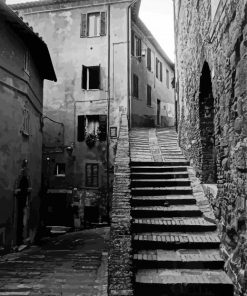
(108, 116)
(175, 69)
(129, 61)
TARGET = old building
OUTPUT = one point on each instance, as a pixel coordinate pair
(152, 73)
(211, 90)
(24, 64)
(100, 76)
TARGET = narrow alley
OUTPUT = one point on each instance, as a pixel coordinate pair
(74, 264)
(175, 240)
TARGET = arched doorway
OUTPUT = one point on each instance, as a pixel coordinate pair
(207, 131)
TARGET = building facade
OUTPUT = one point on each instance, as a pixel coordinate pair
(211, 90)
(90, 43)
(152, 102)
(24, 64)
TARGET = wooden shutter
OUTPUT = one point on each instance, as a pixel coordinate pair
(149, 59)
(83, 25)
(103, 127)
(81, 128)
(135, 86)
(132, 43)
(84, 77)
(161, 72)
(149, 96)
(157, 68)
(103, 23)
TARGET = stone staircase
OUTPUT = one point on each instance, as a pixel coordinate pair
(176, 250)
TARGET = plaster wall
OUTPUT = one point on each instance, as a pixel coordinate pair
(18, 90)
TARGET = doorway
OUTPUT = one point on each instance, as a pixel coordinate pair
(207, 133)
(158, 112)
(22, 211)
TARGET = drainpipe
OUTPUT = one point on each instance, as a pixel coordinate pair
(108, 116)
(175, 68)
(129, 60)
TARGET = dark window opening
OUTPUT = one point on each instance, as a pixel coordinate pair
(135, 86)
(149, 95)
(92, 175)
(149, 66)
(90, 77)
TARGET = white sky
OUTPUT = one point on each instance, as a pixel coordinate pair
(158, 17)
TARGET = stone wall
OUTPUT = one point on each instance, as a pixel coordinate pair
(120, 258)
(219, 41)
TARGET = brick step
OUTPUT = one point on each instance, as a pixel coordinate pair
(166, 163)
(180, 259)
(176, 240)
(172, 225)
(163, 200)
(160, 182)
(158, 169)
(163, 212)
(183, 282)
(159, 175)
(149, 191)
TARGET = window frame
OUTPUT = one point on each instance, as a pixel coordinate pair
(57, 169)
(90, 184)
(84, 26)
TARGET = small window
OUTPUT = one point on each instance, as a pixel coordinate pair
(81, 128)
(60, 170)
(159, 70)
(149, 95)
(93, 24)
(90, 77)
(27, 62)
(92, 175)
(26, 122)
(138, 47)
(149, 63)
(167, 79)
(135, 86)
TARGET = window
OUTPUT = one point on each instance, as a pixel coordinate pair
(136, 45)
(92, 175)
(26, 122)
(149, 63)
(167, 79)
(60, 170)
(135, 86)
(27, 62)
(159, 70)
(93, 24)
(90, 77)
(149, 95)
(93, 124)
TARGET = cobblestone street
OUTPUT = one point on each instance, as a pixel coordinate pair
(74, 264)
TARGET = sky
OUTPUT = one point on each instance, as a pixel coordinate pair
(158, 17)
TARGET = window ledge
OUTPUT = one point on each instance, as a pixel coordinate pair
(25, 134)
(59, 176)
(150, 106)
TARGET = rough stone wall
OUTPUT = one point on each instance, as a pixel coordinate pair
(221, 41)
(120, 258)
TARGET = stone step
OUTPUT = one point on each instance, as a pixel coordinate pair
(170, 211)
(167, 163)
(157, 169)
(163, 200)
(160, 182)
(174, 224)
(176, 240)
(182, 282)
(159, 175)
(180, 259)
(149, 191)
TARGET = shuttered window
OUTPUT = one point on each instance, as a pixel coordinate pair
(93, 24)
(81, 128)
(167, 79)
(149, 95)
(161, 72)
(92, 175)
(135, 86)
(157, 68)
(149, 59)
(132, 43)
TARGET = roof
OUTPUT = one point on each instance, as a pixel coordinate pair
(38, 48)
(153, 41)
